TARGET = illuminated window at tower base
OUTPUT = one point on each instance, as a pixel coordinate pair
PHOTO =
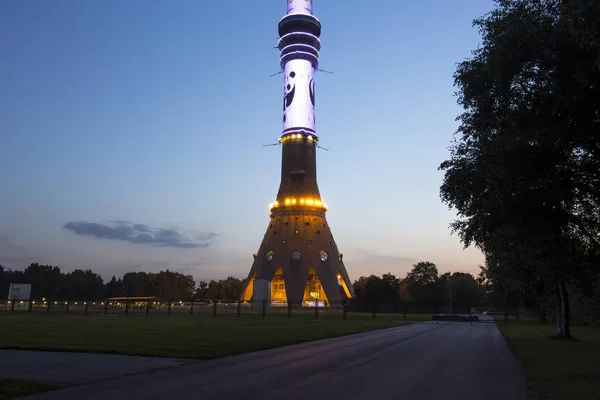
(314, 295)
(278, 294)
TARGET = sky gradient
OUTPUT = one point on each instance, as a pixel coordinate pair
(131, 132)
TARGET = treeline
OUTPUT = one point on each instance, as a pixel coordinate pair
(423, 289)
(422, 285)
(50, 282)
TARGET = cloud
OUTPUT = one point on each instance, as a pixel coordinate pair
(139, 234)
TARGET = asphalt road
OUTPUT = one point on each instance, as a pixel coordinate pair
(447, 360)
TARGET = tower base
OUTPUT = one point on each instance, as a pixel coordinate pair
(300, 261)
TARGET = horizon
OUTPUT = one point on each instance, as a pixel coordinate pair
(135, 134)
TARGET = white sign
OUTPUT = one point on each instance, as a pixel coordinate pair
(19, 291)
(261, 293)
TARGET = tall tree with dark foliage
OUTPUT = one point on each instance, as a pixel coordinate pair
(524, 169)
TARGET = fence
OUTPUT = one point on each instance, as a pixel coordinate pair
(413, 312)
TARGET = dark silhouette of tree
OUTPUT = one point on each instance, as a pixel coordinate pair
(383, 293)
(231, 288)
(201, 291)
(46, 281)
(464, 291)
(524, 174)
(139, 284)
(114, 288)
(224, 289)
(423, 273)
(422, 284)
(83, 285)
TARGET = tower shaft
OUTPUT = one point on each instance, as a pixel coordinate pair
(299, 46)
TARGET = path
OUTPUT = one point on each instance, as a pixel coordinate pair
(447, 360)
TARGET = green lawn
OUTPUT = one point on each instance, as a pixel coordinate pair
(175, 336)
(10, 388)
(557, 368)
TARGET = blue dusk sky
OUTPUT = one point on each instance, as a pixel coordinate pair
(131, 132)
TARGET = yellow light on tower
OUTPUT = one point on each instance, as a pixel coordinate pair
(309, 201)
(287, 201)
(301, 201)
(276, 203)
(318, 203)
(293, 201)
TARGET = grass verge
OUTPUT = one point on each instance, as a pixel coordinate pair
(175, 336)
(11, 388)
(557, 368)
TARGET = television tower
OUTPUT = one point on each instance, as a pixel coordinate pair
(298, 261)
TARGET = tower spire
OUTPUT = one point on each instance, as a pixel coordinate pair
(299, 7)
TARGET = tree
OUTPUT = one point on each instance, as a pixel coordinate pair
(423, 273)
(213, 291)
(382, 292)
(46, 281)
(172, 286)
(185, 286)
(524, 175)
(231, 288)
(422, 284)
(201, 291)
(114, 288)
(464, 290)
(139, 284)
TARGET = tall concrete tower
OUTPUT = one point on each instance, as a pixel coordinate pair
(298, 261)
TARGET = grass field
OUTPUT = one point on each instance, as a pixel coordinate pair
(175, 336)
(557, 368)
(11, 388)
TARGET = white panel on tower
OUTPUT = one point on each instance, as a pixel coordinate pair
(299, 47)
(261, 294)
